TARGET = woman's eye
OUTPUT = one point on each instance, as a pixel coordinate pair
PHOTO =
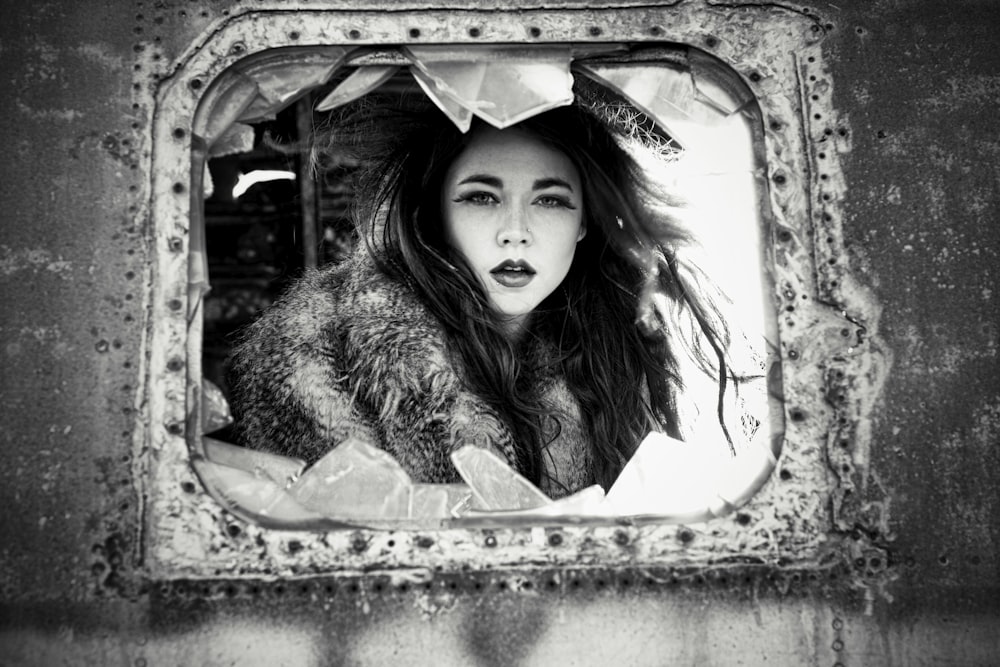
(478, 198)
(554, 201)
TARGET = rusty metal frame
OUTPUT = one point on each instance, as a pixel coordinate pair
(817, 512)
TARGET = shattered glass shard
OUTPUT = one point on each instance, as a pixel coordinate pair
(501, 85)
(275, 467)
(284, 75)
(355, 480)
(230, 104)
(439, 501)
(663, 93)
(716, 87)
(459, 115)
(361, 82)
(237, 139)
(668, 477)
(495, 485)
(243, 492)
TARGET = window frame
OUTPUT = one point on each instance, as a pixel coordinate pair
(187, 533)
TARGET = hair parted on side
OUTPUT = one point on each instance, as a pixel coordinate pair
(607, 330)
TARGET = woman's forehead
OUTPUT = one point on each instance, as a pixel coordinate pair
(515, 152)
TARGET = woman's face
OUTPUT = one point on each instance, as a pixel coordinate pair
(513, 207)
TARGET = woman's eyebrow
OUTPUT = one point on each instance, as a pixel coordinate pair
(543, 183)
(484, 179)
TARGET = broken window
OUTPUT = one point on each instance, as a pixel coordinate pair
(755, 141)
(268, 216)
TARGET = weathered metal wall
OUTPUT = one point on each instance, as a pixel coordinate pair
(915, 86)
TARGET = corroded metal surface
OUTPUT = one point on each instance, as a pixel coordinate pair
(189, 534)
(884, 270)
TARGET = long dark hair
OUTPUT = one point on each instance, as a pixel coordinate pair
(601, 330)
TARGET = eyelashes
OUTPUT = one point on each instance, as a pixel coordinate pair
(477, 198)
(555, 201)
(488, 199)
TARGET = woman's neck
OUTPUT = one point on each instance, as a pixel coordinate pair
(515, 327)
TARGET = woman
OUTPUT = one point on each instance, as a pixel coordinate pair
(510, 294)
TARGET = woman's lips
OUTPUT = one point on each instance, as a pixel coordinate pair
(511, 273)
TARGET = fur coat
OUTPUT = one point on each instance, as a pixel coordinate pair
(350, 352)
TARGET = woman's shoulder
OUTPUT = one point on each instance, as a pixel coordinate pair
(353, 315)
(344, 296)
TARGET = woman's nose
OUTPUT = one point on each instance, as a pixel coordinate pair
(514, 230)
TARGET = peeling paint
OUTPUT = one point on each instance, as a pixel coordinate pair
(101, 54)
(962, 92)
(32, 259)
(62, 115)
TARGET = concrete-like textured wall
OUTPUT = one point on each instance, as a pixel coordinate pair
(915, 85)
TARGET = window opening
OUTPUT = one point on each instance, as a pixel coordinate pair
(257, 241)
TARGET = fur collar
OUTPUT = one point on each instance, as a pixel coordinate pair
(349, 351)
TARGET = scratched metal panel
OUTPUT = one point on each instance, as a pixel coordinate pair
(914, 89)
(186, 534)
(70, 260)
(922, 225)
